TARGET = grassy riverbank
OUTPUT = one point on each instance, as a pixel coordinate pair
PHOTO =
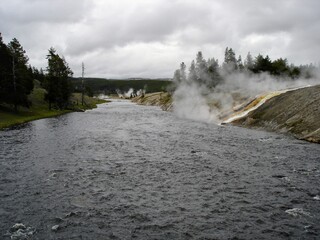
(39, 109)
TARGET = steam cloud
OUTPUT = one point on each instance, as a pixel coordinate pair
(131, 93)
(190, 103)
(197, 102)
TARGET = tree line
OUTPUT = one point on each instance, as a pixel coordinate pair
(110, 86)
(17, 77)
(210, 73)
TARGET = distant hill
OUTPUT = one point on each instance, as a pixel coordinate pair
(109, 86)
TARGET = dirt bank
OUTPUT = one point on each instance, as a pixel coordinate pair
(295, 112)
(161, 99)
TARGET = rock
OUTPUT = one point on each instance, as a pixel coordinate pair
(70, 214)
(55, 228)
(53, 175)
(317, 198)
(17, 226)
(20, 232)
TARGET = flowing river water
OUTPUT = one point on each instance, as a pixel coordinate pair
(124, 171)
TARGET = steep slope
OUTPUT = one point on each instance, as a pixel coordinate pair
(296, 112)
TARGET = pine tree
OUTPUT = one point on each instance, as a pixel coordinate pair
(183, 74)
(6, 80)
(230, 62)
(23, 75)
(192, 76)
(202, 70)
(262, 64)
(57, 80)
(240, 63)
(248, 63)
(16, 77)
(213, 72)
(177, 77)
(280, 67)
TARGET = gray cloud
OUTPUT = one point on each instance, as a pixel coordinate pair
(35, 11)
(150, 38)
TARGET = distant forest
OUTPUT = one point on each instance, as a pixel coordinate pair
(111, 86)
(210, 73)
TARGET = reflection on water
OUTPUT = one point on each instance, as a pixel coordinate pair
(124, 171)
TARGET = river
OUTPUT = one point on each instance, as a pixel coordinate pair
(124, 171)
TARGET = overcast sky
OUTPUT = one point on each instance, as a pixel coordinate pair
(149, 38)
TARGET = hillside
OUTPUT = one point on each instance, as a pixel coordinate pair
(295, 112)
(161, 99)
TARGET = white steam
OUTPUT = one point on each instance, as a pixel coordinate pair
(196, 102)
(253, 84)
(131, 93)
(188, 102)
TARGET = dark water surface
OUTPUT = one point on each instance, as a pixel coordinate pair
(124, 171)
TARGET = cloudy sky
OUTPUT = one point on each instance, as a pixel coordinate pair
(149, 38)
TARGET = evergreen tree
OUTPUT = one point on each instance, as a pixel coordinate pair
(230, 62)
(38, 74)
(183, 74)
(240, 63)
(280, 67)
(6, 77)
(262, 64)
(192, 76)
(22, 74)
(294, 72)
(177, 77)
(22, 69)
(201, 69)
(57, 80)
(248, 63)
(16, 80)
(213, 73)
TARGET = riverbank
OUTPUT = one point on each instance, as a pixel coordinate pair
(295, 112)
(161, 99)
(39, 109)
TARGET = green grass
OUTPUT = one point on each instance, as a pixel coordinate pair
(39, 109)
(89, 102)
